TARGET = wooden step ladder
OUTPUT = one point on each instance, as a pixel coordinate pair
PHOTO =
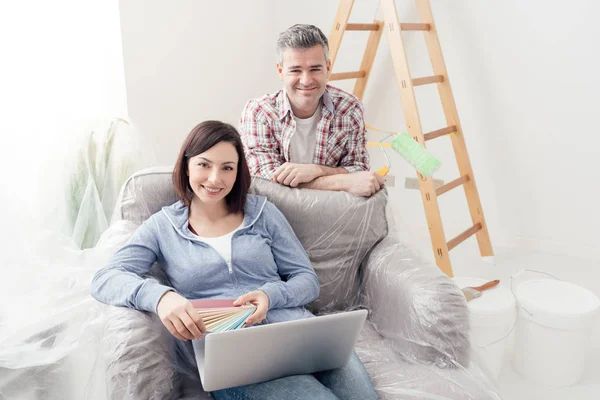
(406, 83)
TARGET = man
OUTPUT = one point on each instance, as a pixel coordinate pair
(308, 134)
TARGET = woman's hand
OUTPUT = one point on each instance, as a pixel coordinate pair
(180, 317)
(260, 300)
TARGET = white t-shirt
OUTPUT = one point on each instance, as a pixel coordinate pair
(222, 244)
(304, 139)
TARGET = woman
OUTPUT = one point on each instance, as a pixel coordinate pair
(218, 241)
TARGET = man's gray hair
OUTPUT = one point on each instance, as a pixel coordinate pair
(301, 36)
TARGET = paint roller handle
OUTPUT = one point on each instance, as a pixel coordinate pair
(488, 285)
(383, 171)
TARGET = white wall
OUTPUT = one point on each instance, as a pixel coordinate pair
(191, 60)
(525, 75)
(61, 73)
(524, 79)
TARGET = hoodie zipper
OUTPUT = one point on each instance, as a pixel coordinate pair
(230, 263)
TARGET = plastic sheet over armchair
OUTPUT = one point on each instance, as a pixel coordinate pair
(415, 344)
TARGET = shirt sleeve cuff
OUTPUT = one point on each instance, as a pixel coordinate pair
(149, 296)
(268, 173)
(271, 289)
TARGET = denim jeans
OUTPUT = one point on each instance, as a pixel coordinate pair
(350, 382)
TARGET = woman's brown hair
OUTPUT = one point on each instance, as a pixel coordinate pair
(203, 137)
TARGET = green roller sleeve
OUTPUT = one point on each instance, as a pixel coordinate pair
(415, 154)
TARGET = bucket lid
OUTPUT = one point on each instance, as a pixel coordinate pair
(494, 301)
(555, 303)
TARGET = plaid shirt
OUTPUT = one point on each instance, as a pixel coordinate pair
(267, 126)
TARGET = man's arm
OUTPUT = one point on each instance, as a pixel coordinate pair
(327, 171)
(363, 183)
(329, 182)
(263, 153)
(312, 176)
(294, 174)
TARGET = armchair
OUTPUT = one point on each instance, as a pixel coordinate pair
(415, 344)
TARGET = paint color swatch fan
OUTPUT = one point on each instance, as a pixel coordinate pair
(221, 315)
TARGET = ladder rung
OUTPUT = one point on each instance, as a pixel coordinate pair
(347, 75)
(415, 27)
(377, 144)
(466, 234)
(439, 132)
(451, 185)
(362, 27)
(428, 79)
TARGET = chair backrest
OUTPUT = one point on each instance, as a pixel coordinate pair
(336, 228)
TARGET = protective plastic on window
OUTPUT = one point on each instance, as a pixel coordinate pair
(91, 179)
(56, 342)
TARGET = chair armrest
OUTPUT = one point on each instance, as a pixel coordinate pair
(416, 305)
(136, 350)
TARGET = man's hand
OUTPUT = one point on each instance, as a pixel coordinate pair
(260, 300)
(291, 174)
(365, 183)
(180, 317)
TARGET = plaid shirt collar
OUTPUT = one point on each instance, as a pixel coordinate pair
(287, 107)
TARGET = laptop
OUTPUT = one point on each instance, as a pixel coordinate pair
(266, 352)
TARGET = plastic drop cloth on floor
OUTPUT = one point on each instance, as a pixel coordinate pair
(56, 342)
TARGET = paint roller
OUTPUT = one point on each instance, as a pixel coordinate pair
(411, 150)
